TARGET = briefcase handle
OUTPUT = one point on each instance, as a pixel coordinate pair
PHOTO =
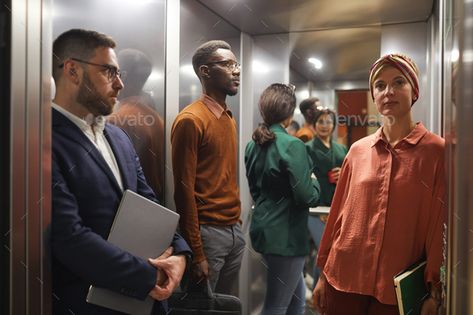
(202, 287)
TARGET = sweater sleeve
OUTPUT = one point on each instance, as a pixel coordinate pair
(305, 190)
(185, 139)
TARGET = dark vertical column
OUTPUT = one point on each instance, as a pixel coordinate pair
(5, 61)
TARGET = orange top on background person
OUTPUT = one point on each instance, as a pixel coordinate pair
(389, 208)
(308, 109)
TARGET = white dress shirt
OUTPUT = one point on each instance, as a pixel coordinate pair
(93, 128)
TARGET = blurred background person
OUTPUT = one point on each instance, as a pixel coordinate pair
(327, 156)
(279, 175)
(136, 114)
(308, 109)
(389, 206)
(293, 128)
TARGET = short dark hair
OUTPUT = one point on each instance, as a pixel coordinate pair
(307, 104)
(77, 43)
(205, 51)
(294, 125)
(277, 103)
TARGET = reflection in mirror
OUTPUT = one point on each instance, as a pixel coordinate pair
(140, 51)
(333, 65)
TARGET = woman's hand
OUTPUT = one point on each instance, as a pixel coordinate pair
(430, 307)
(335, 173)
(323, 218)
(318, 296)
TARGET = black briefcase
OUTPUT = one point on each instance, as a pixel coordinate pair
(201, 301)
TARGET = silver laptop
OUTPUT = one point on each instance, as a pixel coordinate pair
(145, 229)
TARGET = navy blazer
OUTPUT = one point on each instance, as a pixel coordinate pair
(85, 198)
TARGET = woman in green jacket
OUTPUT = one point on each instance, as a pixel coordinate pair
(279, 175)
(327, 157)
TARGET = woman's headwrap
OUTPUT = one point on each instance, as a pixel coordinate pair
(401, 62)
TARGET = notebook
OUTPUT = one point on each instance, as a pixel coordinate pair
(144, 229)
(410, 289)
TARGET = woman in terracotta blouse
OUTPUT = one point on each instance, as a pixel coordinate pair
(389, 207)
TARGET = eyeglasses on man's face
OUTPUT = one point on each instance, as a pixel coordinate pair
(231, 65)
(112, 72)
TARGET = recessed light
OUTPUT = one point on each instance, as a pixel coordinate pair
(316, 62)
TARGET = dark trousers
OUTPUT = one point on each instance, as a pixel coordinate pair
(343, 303)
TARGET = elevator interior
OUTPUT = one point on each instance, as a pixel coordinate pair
(273, 41)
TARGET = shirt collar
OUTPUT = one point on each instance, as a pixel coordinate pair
(215, 107)
(277, 127)
(85, 123)
(412, 138)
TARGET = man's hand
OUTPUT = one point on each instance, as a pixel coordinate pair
(200, 271)
(170, 271)
(318, 296)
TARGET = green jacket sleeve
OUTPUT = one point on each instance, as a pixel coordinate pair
(305, 190)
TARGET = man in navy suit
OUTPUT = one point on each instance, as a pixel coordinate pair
(92, 164)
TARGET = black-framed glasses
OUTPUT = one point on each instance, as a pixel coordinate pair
(231, 65)
(111, 71)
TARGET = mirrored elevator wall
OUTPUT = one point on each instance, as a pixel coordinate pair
(26, 286)
(26, 240)
(5, 44)
(458, 54)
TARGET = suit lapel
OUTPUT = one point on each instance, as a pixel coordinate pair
(67, 128)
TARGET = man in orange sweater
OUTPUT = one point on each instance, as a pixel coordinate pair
(308, 109)
(204, 157)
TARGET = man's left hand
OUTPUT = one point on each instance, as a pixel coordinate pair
(173, 268)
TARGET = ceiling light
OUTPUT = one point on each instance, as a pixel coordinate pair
(316, 62)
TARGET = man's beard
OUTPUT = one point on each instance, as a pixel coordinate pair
(230, 92)
(91, 99)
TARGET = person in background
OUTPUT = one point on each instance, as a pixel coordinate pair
(204, 161)
(293, 128)
(327, 157)
(279, 176)
(93, 162)
(308, 109)
(389, 206)
(136, 114)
